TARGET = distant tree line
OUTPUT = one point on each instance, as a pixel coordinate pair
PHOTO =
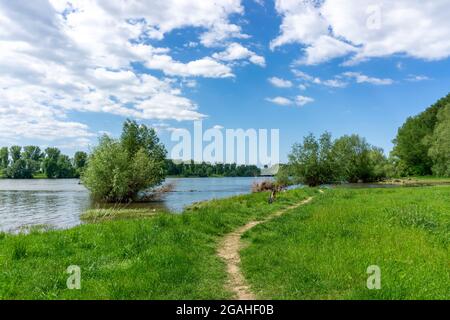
(26, 162)
(192, 169)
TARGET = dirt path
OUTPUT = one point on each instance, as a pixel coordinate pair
(229, 252)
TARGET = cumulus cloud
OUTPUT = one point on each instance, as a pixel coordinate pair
(362, 78)
(363, 29)
(299, 101)
(280, 83)
(281, 101)
(236, 51)
(60, 56)
(302, 100)
(340, 80)
(417, 78)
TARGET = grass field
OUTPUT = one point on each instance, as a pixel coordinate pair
(322, 251)
(318, 251)
(160, 257)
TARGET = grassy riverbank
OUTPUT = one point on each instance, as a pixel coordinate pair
(160, 257)
(320, 250)
(419, 181)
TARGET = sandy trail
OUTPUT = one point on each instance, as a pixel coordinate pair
(229, 251)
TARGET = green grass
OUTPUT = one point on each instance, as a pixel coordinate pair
(419, 180)
(99, 215)
(322, 251)
(318, 251)
(162, 257)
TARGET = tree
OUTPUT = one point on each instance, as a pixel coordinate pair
(19, 170)
(311, 161)
(4, 158)
(440, 143)
(15, 152)
(413, 141)
(65, 169)
(33, 157)
(80, 162)
(352, 156)
(50, 163)
(118, 170)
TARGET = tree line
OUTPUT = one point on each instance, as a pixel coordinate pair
(26, 162)
(422, 147)
(192, 169)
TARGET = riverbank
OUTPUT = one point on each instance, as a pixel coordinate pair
(418, 181)
(319, 250)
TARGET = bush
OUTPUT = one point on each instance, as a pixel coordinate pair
(347, 159)
(118, 170)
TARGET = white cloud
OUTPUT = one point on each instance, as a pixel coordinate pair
(335, 83)
(417, 78)
(218, 127)
(205, 67)
(59, 56)
(363, 29)
(281, 101)
(280, 83)
(302, 100)
(362, 78)
(236, 51)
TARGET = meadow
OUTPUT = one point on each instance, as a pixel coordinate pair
(317, 251)
(322, 251)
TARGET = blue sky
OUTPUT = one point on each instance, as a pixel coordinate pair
(70, 72)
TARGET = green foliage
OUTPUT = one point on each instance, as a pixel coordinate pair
(65, 167)
(204, 169)
(4, 158)
(311, 162)
(118, 170)
(80, 162)
(33, 157)
(414, 140)
(19, 170)
(57, 166)
(50, 163)
(30, 161)
(440, 143)
(347, 159)
(283, 176)
(15, 152)
(356, 160)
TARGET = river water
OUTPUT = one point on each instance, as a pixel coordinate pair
(59, 203)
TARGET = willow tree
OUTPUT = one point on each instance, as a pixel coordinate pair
(119, 169)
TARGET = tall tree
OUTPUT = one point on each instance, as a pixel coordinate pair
(80, 161)
(33, 157)
(413, 141)
(4, 158)
(15, 152)
(440, 143)
(310, 161)
(50, 163)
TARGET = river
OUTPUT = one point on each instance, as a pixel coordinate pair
(59, 203)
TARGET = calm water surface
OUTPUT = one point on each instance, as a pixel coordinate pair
(59, 203)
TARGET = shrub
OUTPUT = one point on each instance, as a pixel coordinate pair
(118, 169)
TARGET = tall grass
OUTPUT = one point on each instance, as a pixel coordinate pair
(322, 251)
